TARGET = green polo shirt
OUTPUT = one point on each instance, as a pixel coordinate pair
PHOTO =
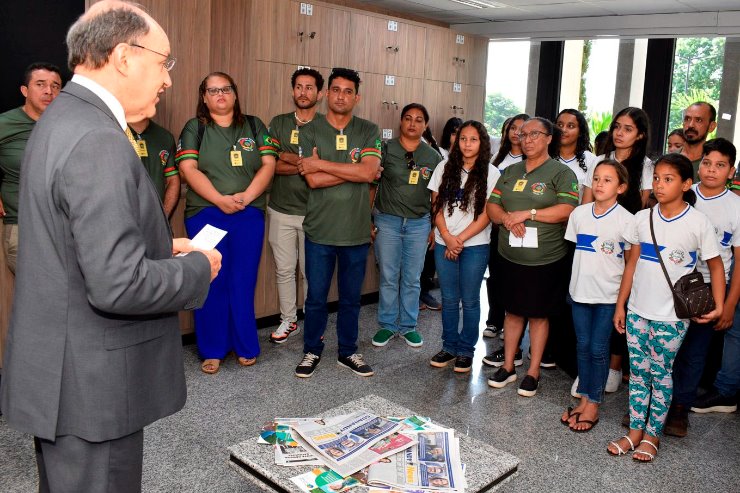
(214, 159)
(403, 191)
(550, 184)
(15, 129)
(159, 160)
(289, 193)
(340, 215)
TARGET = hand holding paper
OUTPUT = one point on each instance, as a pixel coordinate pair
(529, 240)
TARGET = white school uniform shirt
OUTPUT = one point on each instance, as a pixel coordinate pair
(682, 241)
(459, 220)
(598, 262)
(509, 160)
(590, 161)
(723, 211)
(646, 181)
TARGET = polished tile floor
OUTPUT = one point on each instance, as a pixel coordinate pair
(187, 451)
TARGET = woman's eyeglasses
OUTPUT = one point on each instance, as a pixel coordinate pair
(223, 90)
(533, 135)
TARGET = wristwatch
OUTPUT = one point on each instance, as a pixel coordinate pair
(533, 213)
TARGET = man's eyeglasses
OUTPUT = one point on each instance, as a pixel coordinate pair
(169, 62)
(410, 163)
(223, 90)
(533, 135)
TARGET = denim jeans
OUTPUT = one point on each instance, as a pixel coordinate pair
(460, 281)
(593, 325)
(727, 382)
(320, 261)
(400, 247)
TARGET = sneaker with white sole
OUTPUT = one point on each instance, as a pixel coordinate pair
(528, 387)
(502, 378)
(355, 363)
(496, 358)
(574, 389)
(284, 330)
(613, 380)
(490, 330)
(308, 365)
(714, 402)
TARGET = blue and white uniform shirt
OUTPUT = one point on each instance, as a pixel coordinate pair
(723, 211)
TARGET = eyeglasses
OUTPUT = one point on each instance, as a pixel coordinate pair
(410, 163)
(223, 90)
(533, 135)
(169, 62)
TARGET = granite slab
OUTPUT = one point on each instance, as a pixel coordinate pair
(486, 466)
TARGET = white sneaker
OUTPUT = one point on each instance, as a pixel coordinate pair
(574, 389)
(284, 331)
(613, 380)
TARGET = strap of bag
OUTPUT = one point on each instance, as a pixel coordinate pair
(657, 253)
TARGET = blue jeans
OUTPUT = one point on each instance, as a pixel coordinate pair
(461, 280)
(727, 382)
(593, 325)
(400, 247)
(320, 261)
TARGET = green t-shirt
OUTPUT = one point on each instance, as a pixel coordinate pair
(159, 160)
(289, 193)
(550, 184)
(214, 159)
(15, 129)
(402, 191)
(340, 215)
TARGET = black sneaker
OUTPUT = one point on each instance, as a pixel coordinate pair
(463, 364)
(547, 361)
(307, 365)
(677, 421)
(496, 358)
(441, 359)
(355, 363)
(528, 387)
(714, 402)
(501, 378)
(490, 330)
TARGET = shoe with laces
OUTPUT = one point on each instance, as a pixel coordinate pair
(502, 378)
(441, 359)
(714, 402)
(307, 365)
(284, 330)
(490, 330)
(429, 301)
(355, 363)
(528, 387)
(496, 358)
(463, 364)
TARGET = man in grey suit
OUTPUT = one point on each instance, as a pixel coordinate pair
(94, 351)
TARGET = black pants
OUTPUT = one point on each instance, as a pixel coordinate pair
(494, 284)
(427, 274)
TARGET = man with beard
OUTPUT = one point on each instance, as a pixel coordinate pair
(699, 120)
(341, 157)
(289, 196)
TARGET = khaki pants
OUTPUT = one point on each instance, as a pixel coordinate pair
(10, 243)
(287, 241)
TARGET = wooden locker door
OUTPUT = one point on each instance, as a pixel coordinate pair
(473, 102)
(325, 37)
(440, 51)
(277, 38)
(383, 51)
(462, 56)
(438, 101)
(371, 105)
(477, 65)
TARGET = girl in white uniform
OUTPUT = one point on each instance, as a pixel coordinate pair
(654, 332)
(575, 145)
(510, 151)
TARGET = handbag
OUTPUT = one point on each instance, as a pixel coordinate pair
(692, 297)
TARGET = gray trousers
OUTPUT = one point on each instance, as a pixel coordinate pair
(71, 464)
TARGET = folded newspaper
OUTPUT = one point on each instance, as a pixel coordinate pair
(357, 440)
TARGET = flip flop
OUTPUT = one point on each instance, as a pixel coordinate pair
(246, 361)
(587, 421)
(566, 422)
(208, 366)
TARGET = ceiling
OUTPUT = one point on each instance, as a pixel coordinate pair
(569, 19)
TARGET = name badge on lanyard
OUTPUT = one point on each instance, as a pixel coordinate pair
(141, 148)
(519, 185)
(294, 137)
(341, 142)
(236, 158)
(414, 177)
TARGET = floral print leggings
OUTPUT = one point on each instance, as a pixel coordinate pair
(653, 346)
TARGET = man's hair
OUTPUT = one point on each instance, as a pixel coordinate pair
(346, 73)
(91, 39)
(39, 66)
(712, 109)
(311, 73)
(723, 146)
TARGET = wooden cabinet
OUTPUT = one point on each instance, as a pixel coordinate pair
(466, 104)
(382, 104)
(448, 59)
(382, 51)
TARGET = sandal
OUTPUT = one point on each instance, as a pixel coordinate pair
(651, 457)
(210, 366)
(566, 422)
(620, 450)
(246, 361)
(587, 421)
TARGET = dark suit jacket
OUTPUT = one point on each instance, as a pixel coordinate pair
(93, 348)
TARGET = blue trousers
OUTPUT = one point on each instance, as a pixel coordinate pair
(226, 321)
(460, 282)
(593, 325)
(320, 261)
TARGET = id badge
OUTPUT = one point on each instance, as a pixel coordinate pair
(236, 158)
(414, 177)
(294, 137)
(141, 148)
(341, 142)
(519, 185)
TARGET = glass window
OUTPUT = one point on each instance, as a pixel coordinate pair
(506, 82)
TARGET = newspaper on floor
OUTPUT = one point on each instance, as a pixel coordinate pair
(285, 455)
(433, 464)
(348, 445)
(287, 451)
(322, 480)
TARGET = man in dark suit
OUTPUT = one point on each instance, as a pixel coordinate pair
(94, 352)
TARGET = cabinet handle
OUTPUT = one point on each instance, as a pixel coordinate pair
(385, 103)
(392, 48)
(394, 104)
(300, 36)
(312, 35)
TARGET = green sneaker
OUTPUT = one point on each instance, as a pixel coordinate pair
(413, 338)
(382, 337)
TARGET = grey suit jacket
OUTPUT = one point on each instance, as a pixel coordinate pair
(93, 348)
